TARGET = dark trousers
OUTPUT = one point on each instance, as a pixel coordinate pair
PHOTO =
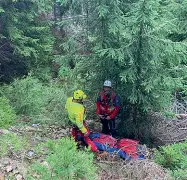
(108, 126)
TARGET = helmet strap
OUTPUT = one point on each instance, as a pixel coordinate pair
(80, 101)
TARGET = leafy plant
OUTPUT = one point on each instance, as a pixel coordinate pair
(7, 113)
(174, 158)
(27, 95)
(64, 162)
(54, 111)
(42, 103)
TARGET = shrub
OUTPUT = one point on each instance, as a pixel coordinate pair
(64, 162)
(27, 96)
(174, 158)
(42, 103)
(55, 109)
(7, 113)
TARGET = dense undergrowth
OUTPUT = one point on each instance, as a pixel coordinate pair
(173, 157)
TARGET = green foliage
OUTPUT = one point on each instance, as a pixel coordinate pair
(128, 43)
(11, 143)
(169, 114)
(139, 45)
(174, 158)
(26, 40)
(178, 9)
(7, 113)
(42, 103)
(55, 109)
(68, 77)
(30, 38)
(180, 174)
(28, 96)
(64, 162)
(148, 51)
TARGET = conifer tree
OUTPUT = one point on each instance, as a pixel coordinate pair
(130, 45)
(132, 42)
(151, 59)
(179, 10)
(24, 37)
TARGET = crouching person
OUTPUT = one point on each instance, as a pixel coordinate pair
(76, 114)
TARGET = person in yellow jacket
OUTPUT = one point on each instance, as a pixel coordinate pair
(76, 113)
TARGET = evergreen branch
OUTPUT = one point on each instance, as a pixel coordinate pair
(3, 45)
(74, 17)
(162, 25)
(130, 43)
(166, 41)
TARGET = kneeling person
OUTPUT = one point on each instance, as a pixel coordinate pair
(76, 113)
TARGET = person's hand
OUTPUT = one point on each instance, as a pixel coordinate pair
(86, 134)
(108, 118)
(101, 116)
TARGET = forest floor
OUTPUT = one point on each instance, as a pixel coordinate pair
(110, 167)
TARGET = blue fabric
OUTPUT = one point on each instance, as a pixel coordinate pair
(120, 153)
(100, 146)
(104, 147)
(94, 135)
(99, 99)
(117, 101)
(79, 138)
(141, 156)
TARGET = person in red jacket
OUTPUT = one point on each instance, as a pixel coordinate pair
(108, 105)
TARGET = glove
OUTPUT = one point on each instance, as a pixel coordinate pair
(101, 116)
(86, 134)
(108, 118)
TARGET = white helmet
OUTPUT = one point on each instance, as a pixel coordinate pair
(107, 83)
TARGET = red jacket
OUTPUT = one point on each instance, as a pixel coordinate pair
(108, 106)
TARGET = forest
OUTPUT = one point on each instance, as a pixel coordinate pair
(50, 48)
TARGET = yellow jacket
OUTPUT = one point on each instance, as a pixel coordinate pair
(76, 113)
